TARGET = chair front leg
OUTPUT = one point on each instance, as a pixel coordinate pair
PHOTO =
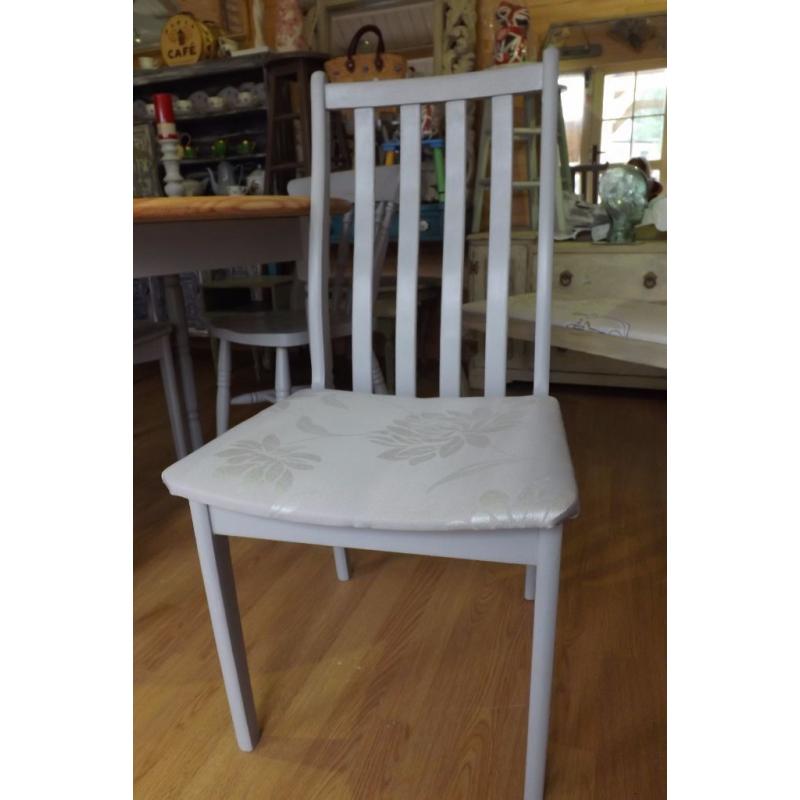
(215, 564)
(283, 378)
(173, 398)
(545, 606)
(223, 386)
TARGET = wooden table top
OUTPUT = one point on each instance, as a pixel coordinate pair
(192, 209)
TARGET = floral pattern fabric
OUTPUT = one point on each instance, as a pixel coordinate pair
(377, 461)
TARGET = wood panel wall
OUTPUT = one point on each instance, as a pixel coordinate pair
(550, 12)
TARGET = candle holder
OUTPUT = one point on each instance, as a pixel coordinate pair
(168, 142)
(173, 180)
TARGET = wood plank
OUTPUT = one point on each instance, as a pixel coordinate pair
(409, 681)
(193, 209)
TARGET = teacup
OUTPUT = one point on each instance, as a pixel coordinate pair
(151, 110)
(148, 62)
(192, 188)
(245, 98)
(216, 103)
(235, 190)
(183, 106)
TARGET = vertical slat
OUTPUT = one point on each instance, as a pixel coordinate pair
(453, 250)
(408, 253)
(363, 248)
(499, 245)
(318, 230)
(544, 276)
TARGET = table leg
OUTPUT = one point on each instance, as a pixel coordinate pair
(177, 316)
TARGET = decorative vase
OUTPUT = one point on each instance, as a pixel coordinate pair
(623, 191)
(289, 26)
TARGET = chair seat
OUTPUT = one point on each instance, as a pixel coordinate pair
(145, 330)
(378, 461)
(281, 328)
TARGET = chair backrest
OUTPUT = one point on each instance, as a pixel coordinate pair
(454, 91)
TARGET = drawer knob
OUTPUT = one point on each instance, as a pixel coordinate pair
(565, 278)
(650, 280)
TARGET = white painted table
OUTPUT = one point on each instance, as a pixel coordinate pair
(188, 234)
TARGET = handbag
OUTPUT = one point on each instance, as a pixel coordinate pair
(377, 66)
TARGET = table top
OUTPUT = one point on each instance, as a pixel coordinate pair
(224, 207)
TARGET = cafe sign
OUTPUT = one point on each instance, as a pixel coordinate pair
(185, 40)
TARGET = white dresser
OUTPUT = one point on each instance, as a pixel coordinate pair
(582, 270)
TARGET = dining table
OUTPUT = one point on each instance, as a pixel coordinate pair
(174, 235)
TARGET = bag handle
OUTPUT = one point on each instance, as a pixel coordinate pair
(351, 49)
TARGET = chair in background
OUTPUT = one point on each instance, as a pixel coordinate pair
(588, 175)
(151, 342)
(282, 329)
(486, 478)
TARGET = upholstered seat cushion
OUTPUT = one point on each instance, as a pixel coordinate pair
(384, 462)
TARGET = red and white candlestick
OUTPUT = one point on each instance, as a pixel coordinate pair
(168, 142)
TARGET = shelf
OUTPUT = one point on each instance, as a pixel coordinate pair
(217, 67)
(188, 162)
(228, 112)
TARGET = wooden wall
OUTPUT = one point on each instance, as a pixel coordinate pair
(547, 13)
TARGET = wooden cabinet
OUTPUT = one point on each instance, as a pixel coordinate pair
(582, 269)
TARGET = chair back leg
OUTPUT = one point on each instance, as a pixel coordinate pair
(530, 582)
(342, 567)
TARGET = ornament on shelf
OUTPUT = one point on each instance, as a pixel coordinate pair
(623, 190)
(169, 144)
(511, 37)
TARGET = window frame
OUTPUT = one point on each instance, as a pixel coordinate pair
(592, 126)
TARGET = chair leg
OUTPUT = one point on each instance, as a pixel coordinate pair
(223, 386)
(173, 400)
(378, 382)
(215, 564)
(283, 379)
(544, 635)
(530, 582)
(342, 567)
(213, 343)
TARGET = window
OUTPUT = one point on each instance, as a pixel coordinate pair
(633, 117)
(573, 98)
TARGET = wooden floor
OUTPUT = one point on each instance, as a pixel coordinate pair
(409, 682)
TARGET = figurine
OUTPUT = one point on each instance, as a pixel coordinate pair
(511, 39)
(289, 26)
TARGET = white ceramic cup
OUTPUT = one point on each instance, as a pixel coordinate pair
(245, 98)
(235, 190)
(191, 187)
(184, 106)
(216, 103)
(151, 110)
(147, 62)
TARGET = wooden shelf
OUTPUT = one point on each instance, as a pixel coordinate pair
(188, 162)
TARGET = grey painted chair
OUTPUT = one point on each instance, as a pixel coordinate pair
(486, 478)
